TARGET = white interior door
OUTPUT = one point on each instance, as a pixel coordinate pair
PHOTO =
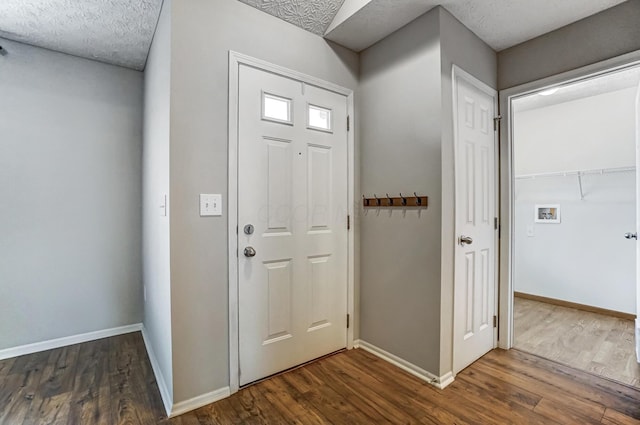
(475, 256)
(292, 191)
(637, 224)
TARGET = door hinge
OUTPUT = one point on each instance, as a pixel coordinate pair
(348, 222)
(496, 122)
(495, 321)
(495, 223)
(348, 122)
(348, 321)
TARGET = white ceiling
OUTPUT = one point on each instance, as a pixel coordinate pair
(120, 31)
(500, 23)
(505, 23)
(628, 78)
(113, 31)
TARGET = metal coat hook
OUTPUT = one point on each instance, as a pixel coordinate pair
(394, 202)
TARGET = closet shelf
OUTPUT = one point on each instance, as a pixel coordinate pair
(579, 174)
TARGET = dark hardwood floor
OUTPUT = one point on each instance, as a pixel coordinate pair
(110, 381)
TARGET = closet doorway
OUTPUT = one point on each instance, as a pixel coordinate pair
(573, 201)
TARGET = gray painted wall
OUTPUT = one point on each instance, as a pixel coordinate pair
(583, 259)
(463, 48)
(156, 244)
(70, 182)
(400, 113)
(203, 31)
(406, 103)
(610, 33)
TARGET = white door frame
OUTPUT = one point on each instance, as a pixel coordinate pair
(235, 60)
(456, 73)
(507, 96)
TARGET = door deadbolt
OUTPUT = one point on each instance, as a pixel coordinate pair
(248, 229)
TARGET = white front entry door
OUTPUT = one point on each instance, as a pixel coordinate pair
(475, 252)
(292, 216)
(638, 224)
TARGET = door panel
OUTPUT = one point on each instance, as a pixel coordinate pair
(320, 159)
(475, 284)
(292, 187)
(279, 300)
(638, 225)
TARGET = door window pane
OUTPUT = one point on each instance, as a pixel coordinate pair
(319, 118)
(276, 108)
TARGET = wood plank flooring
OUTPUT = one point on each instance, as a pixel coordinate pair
(105, 382)
(110, 382)
(592, 342)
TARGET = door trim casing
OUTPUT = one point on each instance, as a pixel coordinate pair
(235, 60)
(457, 72)
(507, 96)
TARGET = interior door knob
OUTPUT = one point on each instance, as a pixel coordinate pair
(249, 252)
(630, 235)
(465, 240)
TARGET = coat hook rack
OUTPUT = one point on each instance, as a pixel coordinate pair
(402, 201)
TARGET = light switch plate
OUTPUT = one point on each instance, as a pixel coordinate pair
(530, 231)
(210, 204)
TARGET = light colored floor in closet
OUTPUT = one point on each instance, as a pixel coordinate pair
(592, 342)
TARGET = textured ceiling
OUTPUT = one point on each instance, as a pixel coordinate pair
(505, 23)
(120, 31)
(112, 31)
(311, 15)
(500, 23)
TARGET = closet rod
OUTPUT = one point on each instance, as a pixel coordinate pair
(577, 172)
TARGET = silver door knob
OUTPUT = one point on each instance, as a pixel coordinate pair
(249, 252)
(465, 240)
(630, 235)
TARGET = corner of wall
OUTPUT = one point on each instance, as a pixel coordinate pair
(458, 46)
(156, 227)
(439, 382)
(165, 391)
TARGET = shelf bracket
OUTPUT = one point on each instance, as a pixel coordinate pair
(580, 186)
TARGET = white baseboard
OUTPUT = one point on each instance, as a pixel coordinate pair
(437, 381)
(67, 340)
(199, 401)
(167, 398)
(638, 340)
